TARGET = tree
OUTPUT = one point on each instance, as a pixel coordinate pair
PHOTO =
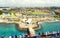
(1, 12)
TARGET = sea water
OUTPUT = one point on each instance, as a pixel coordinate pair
(49, 27)
(11, 29)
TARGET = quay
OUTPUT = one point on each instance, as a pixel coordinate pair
(22, 26)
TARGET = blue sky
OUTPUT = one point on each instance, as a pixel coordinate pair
(33, 3)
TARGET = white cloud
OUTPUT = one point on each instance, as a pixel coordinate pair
(2, 2)
(30, 2)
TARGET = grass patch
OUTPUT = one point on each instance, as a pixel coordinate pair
(38, 13)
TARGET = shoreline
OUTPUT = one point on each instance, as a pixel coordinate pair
(48, 21)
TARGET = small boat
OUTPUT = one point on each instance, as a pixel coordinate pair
(46, 33)
(13, 36)
(2, 37)
(54, 32)
(9, 37)
(58, 31)
(20, 36)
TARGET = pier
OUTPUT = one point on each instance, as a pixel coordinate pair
(23, 26)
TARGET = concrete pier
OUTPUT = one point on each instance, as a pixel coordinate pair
(23, 26)
(32, 31)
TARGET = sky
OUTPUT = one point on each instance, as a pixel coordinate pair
(30, 3)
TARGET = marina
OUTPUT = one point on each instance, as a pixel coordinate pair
(31, 24)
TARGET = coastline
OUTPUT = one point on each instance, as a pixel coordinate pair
(48, 21)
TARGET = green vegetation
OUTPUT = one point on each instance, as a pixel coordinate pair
(58, 16)
(1, 12)
(4, 7)
(38, 13)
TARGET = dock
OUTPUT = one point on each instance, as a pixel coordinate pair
(32, 31)
(24, 26)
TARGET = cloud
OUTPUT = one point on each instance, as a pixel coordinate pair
(30, 2)
(2, 2)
